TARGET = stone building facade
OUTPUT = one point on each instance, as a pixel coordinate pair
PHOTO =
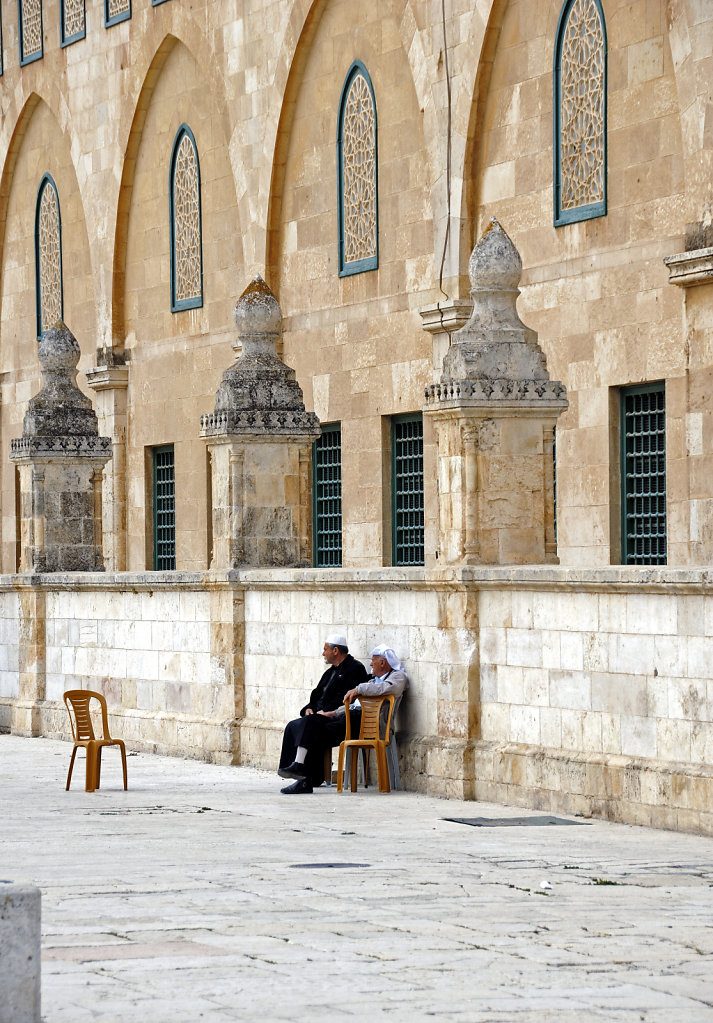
(539, 554)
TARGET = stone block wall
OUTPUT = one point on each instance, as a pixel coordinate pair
(584, 692)
(9, 639)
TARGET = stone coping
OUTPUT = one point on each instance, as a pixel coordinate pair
(611, 578)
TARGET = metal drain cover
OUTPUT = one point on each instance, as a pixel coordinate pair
(513, 822)
(328, 866)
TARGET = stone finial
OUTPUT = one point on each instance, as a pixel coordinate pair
(495, 355)
(257, 312)
(59, 409)
(259, 394)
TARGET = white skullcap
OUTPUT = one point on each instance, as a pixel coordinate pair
(336, 639)
(388, 654)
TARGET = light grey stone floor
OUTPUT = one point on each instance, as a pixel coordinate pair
(204, 894)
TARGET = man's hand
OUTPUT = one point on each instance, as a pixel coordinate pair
(327, 713)
(350, 696)
(308, 711)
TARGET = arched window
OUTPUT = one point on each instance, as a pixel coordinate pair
(185, 213)
(357, 174)
(580, 112)
(48, 256)
(30, 19)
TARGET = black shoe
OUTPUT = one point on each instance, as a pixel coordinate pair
(295, 770)
(297, 786)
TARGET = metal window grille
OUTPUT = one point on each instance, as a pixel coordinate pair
(164, 509)
(327, 472)
(407, 489)
(643, 461)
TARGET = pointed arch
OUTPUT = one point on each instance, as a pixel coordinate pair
(184, 190)
(580, 113)
(357, 174)
(49, 293)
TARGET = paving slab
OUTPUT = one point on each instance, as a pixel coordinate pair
(203, 894)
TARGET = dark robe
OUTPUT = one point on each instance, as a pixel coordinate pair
(315, 731)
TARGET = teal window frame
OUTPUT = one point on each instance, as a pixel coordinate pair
(643, 475)
(46, 182)
(67, 40)
(118, 18)
(357, 266)
(327, 497)
(164, 508)
(407, 492)
(196, 302)
(24, 61)
(592, 210)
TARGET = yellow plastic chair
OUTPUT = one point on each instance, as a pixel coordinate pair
(78, 706)
(370, 732)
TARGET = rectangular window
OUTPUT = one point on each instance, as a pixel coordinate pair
(407, 489)
(327, 500)
(116, 11)
(643, 475)
(72, 24)
(164, 509)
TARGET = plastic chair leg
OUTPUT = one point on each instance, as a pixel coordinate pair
(122, 747)
(340, 769)
(71, 766)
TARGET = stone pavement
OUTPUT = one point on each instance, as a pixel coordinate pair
(204, 894)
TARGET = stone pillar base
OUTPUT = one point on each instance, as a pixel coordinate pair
(26, 718)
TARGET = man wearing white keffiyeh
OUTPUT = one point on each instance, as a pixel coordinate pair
(387, 676)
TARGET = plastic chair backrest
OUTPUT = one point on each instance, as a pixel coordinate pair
(78, 704)
(371, 724)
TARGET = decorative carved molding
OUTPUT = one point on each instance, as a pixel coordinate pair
(499, 390)
(688, 269)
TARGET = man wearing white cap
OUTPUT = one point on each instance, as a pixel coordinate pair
(319, 725)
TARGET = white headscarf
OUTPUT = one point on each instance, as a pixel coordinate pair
(386, 652)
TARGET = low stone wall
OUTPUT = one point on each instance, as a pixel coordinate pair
(579, 691)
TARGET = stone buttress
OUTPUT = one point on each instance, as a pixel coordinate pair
(494, 412)
(260, 441)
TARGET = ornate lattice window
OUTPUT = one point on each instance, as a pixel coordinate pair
(357, 170)
(116, 11)
(72, 21)
(30, 19)
(580, 112)
(48, 256)
(185, 213)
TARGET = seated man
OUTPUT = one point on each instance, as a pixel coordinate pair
(387, 676)
(317, 729)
